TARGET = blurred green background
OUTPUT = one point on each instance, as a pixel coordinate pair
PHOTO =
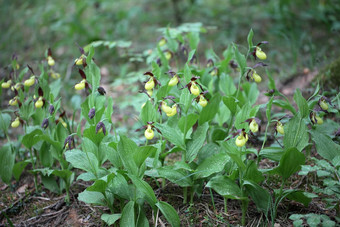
(302, 33)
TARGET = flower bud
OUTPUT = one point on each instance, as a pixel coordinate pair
(69, 143)
(51, 109)
(101, 90)
(100, 128)
(92, 113)
(45, 123)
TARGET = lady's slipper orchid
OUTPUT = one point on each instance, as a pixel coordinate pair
(6, 84)
(279, 128)
(29, 82)
(16, 123)
(241, 139)
(149, 133)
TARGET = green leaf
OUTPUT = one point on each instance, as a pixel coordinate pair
(148, 113)
(112, 153)
(252, 173)
(142, 153)
(7, 159)
(178, 176)
(142, 220)
(285, 105)
(208, 150)
(231, 103)
(45, 155)
(171, 43)
(174, 135)
(242, 116)
(225, 187)
(298, 196)
(259, 195)
(250, 39)
(194, 39)
(92, 197)
(169, 213)
(119, 186)
(301, 103)
(212, 164)
(109, 109)
(110, 219)
(18, 168)
(82, 160)
(230, 148)
(128, 215)
(314, 220)
(31, 138)
(290, 162)
(269, 109)
(89, 57)
(227, 85)
(126, 150)
(145, 188)
(296, 134)
(272, 153)
(50, 183)
(218, 134)
(5, 121)
(92, 72)
(186, 99)
(190, 121)
(209, 112)
(88, 146)
(98, 186)
(198, 139)
(240, 59)
(325, 146)
(190, 55)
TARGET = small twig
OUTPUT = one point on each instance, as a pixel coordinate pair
(45, 215)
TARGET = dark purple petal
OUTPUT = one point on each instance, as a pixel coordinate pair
(100, 126)
(45, 123)
(101, 90)
(51, 109)
(92, 113)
